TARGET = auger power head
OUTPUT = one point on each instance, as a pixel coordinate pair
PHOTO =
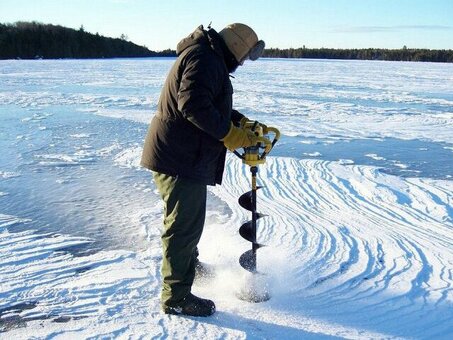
(256, 155)
(256, 290)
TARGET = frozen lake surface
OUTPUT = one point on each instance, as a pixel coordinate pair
(359, 194)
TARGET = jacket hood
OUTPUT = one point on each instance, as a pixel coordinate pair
(212, 39)
(201, 36)
(196, 37)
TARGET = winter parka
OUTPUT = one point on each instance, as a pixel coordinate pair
(194, 112)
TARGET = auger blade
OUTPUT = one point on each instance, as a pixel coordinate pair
(245, 200)
(248, 261)
(246, 230)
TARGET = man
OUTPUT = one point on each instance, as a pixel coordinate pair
(186, 147)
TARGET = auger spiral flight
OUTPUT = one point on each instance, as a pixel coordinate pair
(254, 156)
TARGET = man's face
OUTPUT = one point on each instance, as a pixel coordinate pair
(232, 65)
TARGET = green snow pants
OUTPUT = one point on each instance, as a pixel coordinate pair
(184, 217)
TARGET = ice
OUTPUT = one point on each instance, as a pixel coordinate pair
(312, 154)
(358, 194)
(8, 174)
(375, 156)
(80, 135)
(129, 158)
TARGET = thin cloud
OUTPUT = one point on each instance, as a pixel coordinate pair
(398, 28)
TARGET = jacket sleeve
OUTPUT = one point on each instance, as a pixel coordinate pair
(201, 83)
(236, 117)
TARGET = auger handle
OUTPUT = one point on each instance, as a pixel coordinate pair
(277, 134)
(266, 143)
(275, 140)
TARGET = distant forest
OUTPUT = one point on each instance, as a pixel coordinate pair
(403, 54)
(33, 40)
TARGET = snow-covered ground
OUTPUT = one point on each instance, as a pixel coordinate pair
(359, 194)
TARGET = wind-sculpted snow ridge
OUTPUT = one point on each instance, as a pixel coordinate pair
(43, 279)
(352, 245)
(351, 253)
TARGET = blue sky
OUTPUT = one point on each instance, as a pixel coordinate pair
(281, 23)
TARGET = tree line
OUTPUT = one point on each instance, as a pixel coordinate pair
(403, 54)
(29, 40)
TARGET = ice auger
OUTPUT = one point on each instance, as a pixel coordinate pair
(254, 156)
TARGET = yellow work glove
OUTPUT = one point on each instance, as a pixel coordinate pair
(239, 138)
(243, 121)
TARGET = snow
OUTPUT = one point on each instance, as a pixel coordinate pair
(358, 194)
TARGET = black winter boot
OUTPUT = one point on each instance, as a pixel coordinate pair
(191, 305)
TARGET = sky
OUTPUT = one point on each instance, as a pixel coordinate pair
(159, 25)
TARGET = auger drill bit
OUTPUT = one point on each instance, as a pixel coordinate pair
(248, 229)
(254, 291)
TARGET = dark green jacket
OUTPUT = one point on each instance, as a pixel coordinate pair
(194, 112)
